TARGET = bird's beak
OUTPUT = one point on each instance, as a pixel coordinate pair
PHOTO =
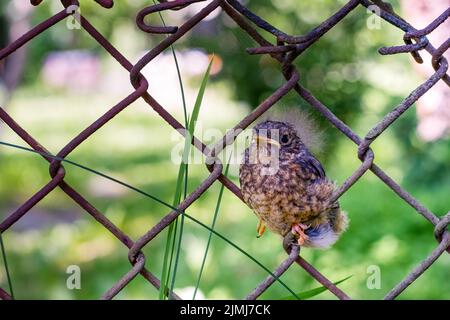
(265, 140)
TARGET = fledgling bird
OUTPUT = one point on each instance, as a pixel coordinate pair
(286, 186)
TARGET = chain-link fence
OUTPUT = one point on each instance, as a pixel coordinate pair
(285, 49)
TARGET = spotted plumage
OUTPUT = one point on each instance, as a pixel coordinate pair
(286, 187)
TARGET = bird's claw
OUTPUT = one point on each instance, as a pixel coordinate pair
(299, 230)
(260, 228)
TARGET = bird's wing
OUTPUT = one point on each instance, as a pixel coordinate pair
(311, 165)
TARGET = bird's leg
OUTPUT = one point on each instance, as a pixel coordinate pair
(260, 228)
(298, 229)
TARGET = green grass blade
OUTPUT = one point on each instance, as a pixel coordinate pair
(199, 99)
(163, 287)
(174, 225)
(148, 195)
(177, 67)
(172, 254)
(213, 224)
(5, 262)
(83, 167)
(187, 148)
(168, 252)
(183, 97)
(172, 232)
(177, 255)
(313, 292)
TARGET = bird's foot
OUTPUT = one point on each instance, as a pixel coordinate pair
(260, 228)
(298, 230)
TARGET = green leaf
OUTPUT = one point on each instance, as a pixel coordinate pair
(313, 292)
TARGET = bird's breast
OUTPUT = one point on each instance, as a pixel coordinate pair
(274, 198)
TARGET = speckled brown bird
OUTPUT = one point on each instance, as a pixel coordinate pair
(286, 186)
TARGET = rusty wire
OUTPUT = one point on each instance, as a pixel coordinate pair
(285, 49)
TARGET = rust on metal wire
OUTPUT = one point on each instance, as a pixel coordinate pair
(284, 49)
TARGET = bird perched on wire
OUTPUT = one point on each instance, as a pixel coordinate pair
(286, 186)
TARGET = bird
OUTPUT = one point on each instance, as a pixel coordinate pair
(286, 186)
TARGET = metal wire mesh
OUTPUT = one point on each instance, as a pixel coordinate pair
(285, 50)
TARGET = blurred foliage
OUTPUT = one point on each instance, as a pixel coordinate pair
(343, 70)
(435, 171)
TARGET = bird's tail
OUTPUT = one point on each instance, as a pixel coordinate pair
(339, 219)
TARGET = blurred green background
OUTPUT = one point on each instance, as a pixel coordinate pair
(68, 81)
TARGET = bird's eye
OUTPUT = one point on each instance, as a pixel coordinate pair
(284, 139)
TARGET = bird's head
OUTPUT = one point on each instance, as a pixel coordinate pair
(278, 134)
(289, 130)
